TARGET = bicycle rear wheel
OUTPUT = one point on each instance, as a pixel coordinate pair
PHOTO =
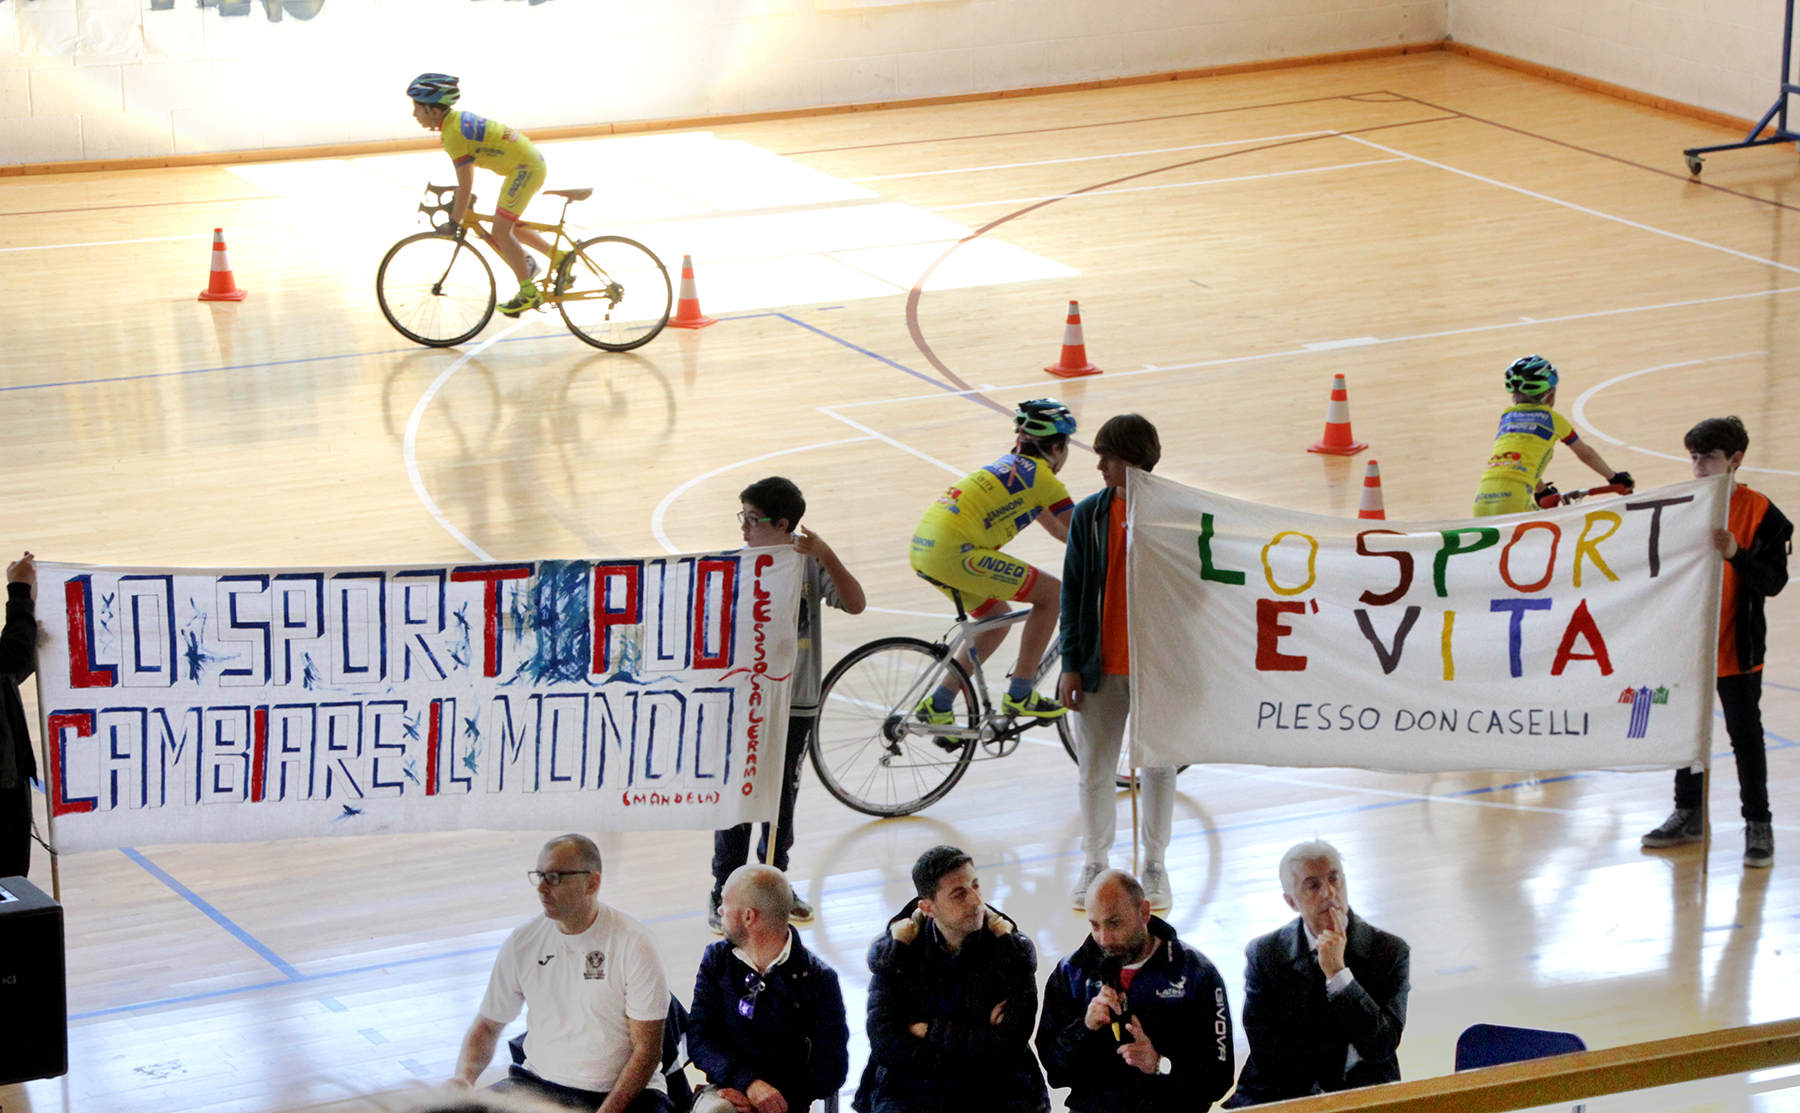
(862, 751)
(614, 293)
(435, 290)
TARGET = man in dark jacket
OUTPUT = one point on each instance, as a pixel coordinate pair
(952, 1000)
(767, 1026)
(1325, 996)
(1135, 1021)
(18, 763)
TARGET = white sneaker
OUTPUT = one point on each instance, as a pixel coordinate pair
(1156, 887)
(1078, 895)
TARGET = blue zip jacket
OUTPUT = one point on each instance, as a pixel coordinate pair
(1084, 587)
(796, 1038)
(1179, 1000)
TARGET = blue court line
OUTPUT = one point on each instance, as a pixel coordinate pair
(213, 914)
(401, 351)
(298, 977)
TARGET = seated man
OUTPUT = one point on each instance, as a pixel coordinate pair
(951, 1002)
(592, 983)
(1135, 1019)
(1325, 996)
(768, 1024)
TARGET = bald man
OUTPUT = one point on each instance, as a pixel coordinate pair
(1135, 1019)
(767, 1027)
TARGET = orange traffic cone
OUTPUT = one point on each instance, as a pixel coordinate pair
(1371, 497)
(1074, 362)
(221, 286)
(1337, 440)
(687, 310)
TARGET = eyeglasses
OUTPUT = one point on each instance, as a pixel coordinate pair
(749, 519)
(553, 877)
(753, 985)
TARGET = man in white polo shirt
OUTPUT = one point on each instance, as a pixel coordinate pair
(593, 985)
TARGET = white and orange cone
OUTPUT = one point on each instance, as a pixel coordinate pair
(1338, 440)
(1371, 497)
(1074, 362)
(221, 285)
(687, 310)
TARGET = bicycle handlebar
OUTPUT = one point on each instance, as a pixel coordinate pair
(1551, 497)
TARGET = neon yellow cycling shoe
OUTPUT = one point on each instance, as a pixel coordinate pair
(529, 298)
(1033, 706)
(928, 713)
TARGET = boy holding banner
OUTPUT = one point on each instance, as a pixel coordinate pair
(770, 516)
(1096, 662)
(1755, 546)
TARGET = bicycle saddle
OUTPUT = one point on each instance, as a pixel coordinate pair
(571, 194)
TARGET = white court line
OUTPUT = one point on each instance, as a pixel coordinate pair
(1580, 208)
(107, 243)
(1092, 158)
(1156, 369)
(662, 508)
(1168, 185)
(826, 410)
(410, 445)
(1579, 410)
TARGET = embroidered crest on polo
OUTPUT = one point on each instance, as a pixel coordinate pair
(595, 970)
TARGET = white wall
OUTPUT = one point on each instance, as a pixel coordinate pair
(95, 79)
(1719, 54)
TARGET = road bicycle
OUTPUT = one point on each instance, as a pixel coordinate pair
(873, 752)
(436, 289)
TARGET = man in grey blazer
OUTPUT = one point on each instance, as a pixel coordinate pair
(1325, 996)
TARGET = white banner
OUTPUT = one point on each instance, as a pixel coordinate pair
(184, 705)
(1582, 637)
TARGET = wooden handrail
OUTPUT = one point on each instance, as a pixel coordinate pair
(1560, 1078)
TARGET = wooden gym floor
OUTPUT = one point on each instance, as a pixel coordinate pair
(1413, 223)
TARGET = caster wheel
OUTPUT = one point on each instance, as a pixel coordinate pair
(1694, 163)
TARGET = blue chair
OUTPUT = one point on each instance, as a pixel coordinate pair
(1489, 1045)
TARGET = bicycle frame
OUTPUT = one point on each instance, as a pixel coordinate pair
(962, 635)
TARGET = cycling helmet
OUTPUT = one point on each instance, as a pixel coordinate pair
(1043, 417)
(434, 88)
(1532, 376)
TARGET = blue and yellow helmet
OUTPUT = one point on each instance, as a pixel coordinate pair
(434, 88)
(1532, 376)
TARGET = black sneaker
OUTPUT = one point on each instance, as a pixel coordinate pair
(1681, 828)
(1759, 844)
(802, 913)
(714, 918)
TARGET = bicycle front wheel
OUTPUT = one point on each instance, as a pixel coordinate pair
(435, 290)
(862, 750)
(614, 293)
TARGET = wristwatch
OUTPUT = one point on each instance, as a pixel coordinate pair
(1163, 1066)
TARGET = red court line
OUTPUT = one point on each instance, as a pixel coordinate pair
(1398, 98)
(1690, 179)
(918, 288)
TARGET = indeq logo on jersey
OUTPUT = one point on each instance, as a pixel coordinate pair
(987, 564)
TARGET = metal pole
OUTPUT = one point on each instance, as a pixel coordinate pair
(1787, 53)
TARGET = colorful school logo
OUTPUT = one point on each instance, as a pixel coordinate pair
(1641, 700)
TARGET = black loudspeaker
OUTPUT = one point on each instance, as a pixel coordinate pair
(33, 992)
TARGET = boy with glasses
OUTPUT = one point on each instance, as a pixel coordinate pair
(770, 516)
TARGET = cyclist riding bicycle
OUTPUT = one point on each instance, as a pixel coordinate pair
(1529, 430)
(472, 141)
(957, 546)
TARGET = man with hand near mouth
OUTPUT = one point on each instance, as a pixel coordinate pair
(1325, 996)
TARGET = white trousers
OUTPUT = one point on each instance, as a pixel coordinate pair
(1099, 732)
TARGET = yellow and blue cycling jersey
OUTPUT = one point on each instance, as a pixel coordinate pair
(1522, 449)
(1528, 435)
(958, 540)
(491, 145)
